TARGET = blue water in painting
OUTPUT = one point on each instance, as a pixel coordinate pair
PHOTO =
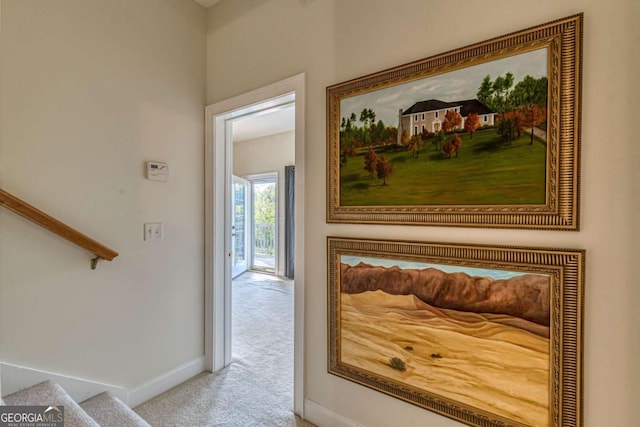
(471, 271)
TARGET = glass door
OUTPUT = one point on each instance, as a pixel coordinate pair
(265, 214)
(239, 226)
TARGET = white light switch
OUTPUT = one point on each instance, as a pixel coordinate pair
(153, 231)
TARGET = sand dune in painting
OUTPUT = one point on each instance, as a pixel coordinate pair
(489, 362)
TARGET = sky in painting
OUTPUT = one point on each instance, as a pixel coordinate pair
(452, 86)
(471, 271)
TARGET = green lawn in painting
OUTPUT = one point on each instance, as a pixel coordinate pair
(487, 171)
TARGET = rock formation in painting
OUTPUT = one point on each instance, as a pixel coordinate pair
(525, 297)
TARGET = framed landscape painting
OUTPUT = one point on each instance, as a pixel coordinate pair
(484, 136)
(490, 336)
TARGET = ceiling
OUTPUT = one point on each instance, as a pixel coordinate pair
(206, 3)
(269, 122)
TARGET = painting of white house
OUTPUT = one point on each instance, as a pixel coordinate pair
(469, 136)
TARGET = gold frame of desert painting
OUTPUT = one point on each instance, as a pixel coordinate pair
(486, 335)
(483, 136)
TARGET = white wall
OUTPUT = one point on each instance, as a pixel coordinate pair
(268, 154)
(333, 41)
(91, 89)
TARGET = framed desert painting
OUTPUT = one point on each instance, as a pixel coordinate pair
(485, 136)
(489, 336)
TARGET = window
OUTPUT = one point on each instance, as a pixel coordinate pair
(485, 119)
(436, 114)
(423, 128)
(423, 117)
(415, 117)
(415, 130)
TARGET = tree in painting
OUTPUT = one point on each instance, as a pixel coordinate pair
(531, 95)
(501, 101)
(451, 121)
(485, 91)
(367, 117)
(383, 169)
(533, 115)
(438, 138)
(511, 125)
(472, 123)
(520, 106)
(452, 146)
(416, 144)
(405, 138)
(371, 162)
(371, 133)
(506, 128)
(349, 139)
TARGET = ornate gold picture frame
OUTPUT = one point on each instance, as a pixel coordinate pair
(483, 136)
(487, 335)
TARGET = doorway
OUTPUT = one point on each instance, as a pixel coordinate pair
(218, 219)
(254, 224)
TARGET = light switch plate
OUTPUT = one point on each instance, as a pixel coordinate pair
(153, 231)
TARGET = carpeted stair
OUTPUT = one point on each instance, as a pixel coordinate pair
(109, 411)
(101, 410)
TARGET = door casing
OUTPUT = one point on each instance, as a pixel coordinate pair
(218, 167)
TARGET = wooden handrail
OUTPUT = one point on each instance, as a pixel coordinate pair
(36, 216)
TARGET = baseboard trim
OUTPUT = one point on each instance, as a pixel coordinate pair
(15, 378)
(321, 416)
(164, 382)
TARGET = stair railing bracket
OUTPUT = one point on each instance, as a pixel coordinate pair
(94, 262)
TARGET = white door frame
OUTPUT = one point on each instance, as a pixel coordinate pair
(218, 169)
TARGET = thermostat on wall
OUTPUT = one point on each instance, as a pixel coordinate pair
(157, 171)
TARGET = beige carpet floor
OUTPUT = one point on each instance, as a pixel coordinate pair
(257, 388)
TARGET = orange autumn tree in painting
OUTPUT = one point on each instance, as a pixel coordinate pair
(472, 123)
(371, 161)
(383, 169)
(452, 146)
(533, 116)
(451, 121)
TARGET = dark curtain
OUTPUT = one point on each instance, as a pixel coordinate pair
(289, 224)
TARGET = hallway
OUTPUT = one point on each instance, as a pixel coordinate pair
(262, 335)
(257, 388)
